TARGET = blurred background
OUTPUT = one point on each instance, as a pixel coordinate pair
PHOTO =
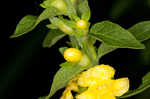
(27, 69)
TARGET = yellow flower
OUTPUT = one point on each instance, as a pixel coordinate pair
(72, 85)
(99, 83)
(92, 93)
(107, 96)
(81, 24)
(89, 94)
(103, 87)
(120, 86)
(67, 95)
(72, 55)
(97, 74)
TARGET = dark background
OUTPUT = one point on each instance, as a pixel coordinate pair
(27, 69)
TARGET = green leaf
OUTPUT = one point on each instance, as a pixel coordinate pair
(62, 49)
(71, 11)
(84, 10)
(141, 30)
(82, 89)
(29, 22)
(46, 3)
(51, 26)
(61, 25)
(91, 40)
(44, 97)
(105, 49)
(144, 85)
(47, 13)
(25, 25)
(52, 37)
(62, 77)
(114, 35)
(67, 65)
(74, 42)
(144, 55)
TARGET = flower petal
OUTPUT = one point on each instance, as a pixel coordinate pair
(120, 86)
(67, 94)
(97, 74)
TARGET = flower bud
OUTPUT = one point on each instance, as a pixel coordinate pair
(72, 55)
(66, 29)
(81, 24)
(59, 4)
(84, 61)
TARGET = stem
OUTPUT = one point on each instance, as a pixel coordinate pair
(88, 49)
(74, 42)
(48, 97)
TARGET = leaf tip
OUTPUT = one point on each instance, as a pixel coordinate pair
(142, 46)
(13, 36)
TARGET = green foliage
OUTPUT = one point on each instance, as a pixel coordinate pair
(51, 26)
(46, 3)
(62, 77)
(144, 85)
(144, 55)
(44, 97)
(82, 89)
(141, 30)
(104, 49)
(67, 65)
(71, 12)
(114, 35)
(111, 36)
(47, 13)
(52, 37)
(84, 10)
(29, 22)
(61, 24)
(62, 49)
(25, 25)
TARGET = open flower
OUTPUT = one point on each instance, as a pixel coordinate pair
(99, 83)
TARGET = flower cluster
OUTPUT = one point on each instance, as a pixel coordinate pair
(99, 84)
